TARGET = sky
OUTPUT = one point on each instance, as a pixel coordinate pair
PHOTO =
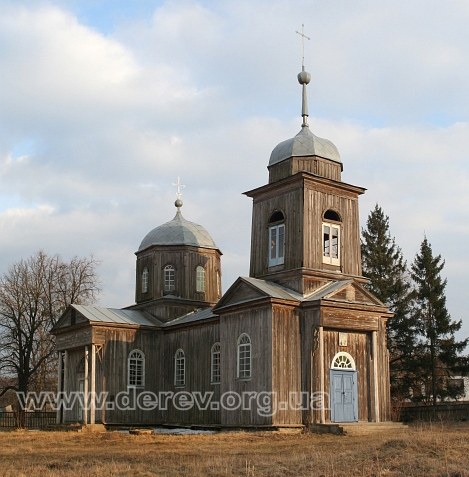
(103, 104)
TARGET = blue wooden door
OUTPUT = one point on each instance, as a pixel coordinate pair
(344, 390)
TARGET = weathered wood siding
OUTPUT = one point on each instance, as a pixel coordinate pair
(316, 165)
(303, 204)
(290, 202)
(73, 338)
(257, 323)
(185, 260)
(359, 347)
(286, 365)
(196, 343)
(384, 378)
(309, 319)
(159, 351)
(318, 199)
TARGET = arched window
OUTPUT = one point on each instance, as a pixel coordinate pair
(215, 360)
(200, 279)
(244, 356)
(169, 278)
(331, 237)
(145, 280)
(276, 239)
(136, 369)
(343, 360)
(179, 368)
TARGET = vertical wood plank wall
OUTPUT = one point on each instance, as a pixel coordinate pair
(303, 205)
(358, 346)
(257, 323)
(319, 199)
(185, 260)
(286, 365)
(291, 204)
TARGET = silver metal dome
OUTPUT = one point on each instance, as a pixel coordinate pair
(305, 143)
(178, 231)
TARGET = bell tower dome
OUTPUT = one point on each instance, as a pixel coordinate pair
(305, 225)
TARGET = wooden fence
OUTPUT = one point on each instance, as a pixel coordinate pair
(33, 420)
(444, 411)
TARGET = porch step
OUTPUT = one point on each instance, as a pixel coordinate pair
(369, 428)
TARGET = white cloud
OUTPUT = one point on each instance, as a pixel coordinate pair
(205, 92)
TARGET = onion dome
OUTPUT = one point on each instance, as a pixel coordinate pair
(305, 143)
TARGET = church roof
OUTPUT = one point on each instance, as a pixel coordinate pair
(113, 315)
(178, 231)
(305, 143)
(191, 317)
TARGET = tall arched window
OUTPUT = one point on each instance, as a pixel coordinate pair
(331, 237)
(200, 279)
(276, 239)
(136, 369)
(169, 278)
(244, 357)
(145, 280)
(179, 368)
(215, 360)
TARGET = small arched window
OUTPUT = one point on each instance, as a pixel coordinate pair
(244, 357)
(145, 280)
(276, 238)
(331, 237)
(169, 273)
(179, 368)
(215, 360)
(136, 369)
(343, 360)
(200, 279)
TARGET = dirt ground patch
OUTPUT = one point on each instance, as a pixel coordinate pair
(425, 449)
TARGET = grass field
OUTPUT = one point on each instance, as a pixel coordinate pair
(420, 450)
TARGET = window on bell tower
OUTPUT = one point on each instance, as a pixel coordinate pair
(331, 238)
(276, 239)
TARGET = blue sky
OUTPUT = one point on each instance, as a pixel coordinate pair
(103, 104)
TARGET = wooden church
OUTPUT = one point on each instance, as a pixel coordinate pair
(300, 341)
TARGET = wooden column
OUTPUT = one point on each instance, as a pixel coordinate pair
(86, 388)
(375, 374)
(93, 384)
(59, 389)
(322, 412)
(65, 382)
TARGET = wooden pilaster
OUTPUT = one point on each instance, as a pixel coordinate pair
(86, 388)
(375, 374)
(59, 389)
(93, 384)
(322, 412)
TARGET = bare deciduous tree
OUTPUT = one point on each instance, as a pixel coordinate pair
(33, 294)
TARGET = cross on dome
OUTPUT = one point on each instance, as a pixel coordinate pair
(179, 186)
(303, 36)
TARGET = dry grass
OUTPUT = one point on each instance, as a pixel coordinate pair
(429, 450)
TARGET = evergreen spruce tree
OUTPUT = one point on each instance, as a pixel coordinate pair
(440, 358)
(384, 265)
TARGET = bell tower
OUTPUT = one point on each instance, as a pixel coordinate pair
(305, 224)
